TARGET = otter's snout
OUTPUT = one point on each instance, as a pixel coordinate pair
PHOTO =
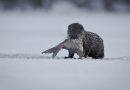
(73, 36)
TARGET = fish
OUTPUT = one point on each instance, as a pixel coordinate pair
(72, 45)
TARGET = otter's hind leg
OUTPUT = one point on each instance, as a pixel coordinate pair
(96, 54)
(100, 53)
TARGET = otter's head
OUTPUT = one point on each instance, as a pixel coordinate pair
(75, 31)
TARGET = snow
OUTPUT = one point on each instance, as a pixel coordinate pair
(24, 35)
(49, 74)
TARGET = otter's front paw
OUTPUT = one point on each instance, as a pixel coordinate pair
(69, 58)
(66, 57)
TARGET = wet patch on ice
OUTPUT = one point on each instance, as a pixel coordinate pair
(36, 56)
(23, 56)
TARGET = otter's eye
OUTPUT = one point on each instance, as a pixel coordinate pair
(71, 28)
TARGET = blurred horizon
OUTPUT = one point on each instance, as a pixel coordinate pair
(48, 5)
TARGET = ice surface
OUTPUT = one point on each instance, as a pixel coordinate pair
(24, 35)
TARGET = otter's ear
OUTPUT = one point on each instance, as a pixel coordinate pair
(68, 27)
(82, 28)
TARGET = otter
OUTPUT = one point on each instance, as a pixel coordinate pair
(92, 43)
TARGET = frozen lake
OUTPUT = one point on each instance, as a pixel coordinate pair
(24, 35)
